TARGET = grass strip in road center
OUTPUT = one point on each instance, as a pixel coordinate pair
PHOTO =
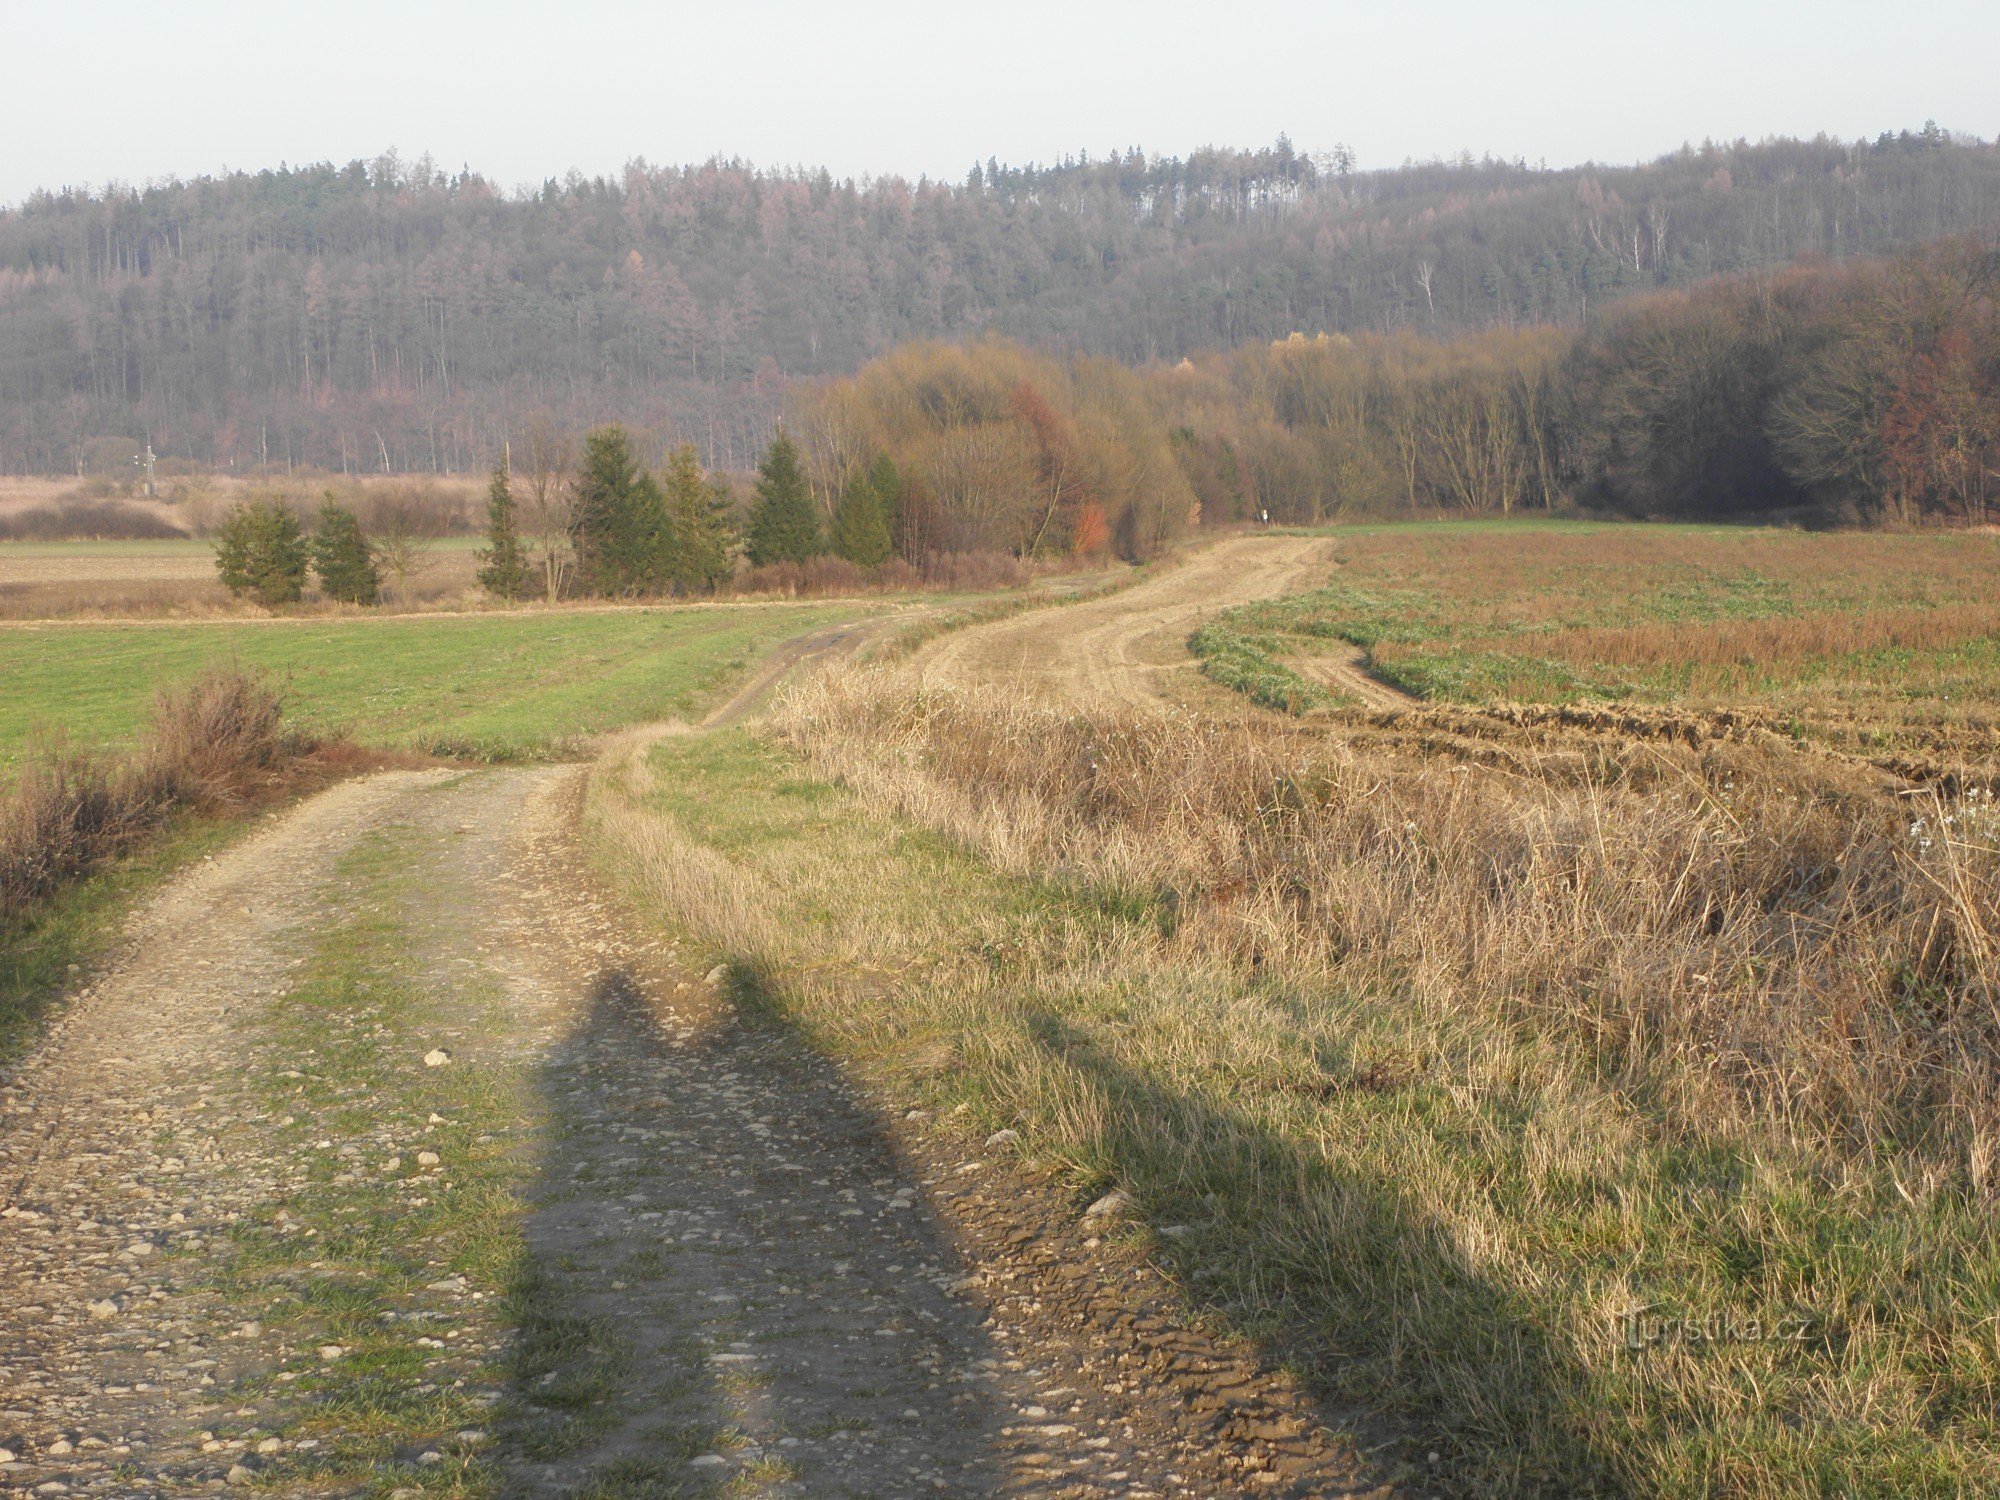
(382, 1266)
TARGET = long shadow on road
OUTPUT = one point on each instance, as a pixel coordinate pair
(727, 1280)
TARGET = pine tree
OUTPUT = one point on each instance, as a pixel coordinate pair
(701, 537)
(860, 530)
(602, 521)
(784, 525)
(341, 557)
(260, 552)
(503, 564)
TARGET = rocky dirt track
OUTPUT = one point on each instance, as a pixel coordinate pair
(685, 1256)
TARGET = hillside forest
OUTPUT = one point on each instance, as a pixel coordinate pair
(390, 316)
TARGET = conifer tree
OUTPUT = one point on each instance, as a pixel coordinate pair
(260, 552)
(784, 525)
(602, 525)
(341, 558)
(503, 563)
(701, 538)
(888, 487)
(860, 530)
(648, 546)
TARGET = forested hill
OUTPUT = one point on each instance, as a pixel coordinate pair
(389, 314)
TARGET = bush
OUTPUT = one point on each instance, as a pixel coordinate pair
(260, 553)
(214, 742)
(78, 518)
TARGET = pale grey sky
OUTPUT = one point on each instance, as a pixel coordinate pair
(135, 89)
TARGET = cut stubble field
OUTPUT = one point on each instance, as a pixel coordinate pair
(1863, 640)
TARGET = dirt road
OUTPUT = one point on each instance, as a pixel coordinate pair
(393, 1158)
(1346, 672)
(1126, 648)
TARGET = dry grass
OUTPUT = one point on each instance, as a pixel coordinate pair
(1442, 1064)
(215, 743)
(1743, 932)
(140, 580)
(1747, 650)
(957, 572)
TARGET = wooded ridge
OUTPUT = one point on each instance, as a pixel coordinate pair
(389, 315)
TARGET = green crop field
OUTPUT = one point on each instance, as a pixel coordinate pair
(1899, 633)
(485, 685)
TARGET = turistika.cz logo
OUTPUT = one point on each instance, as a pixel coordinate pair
(1650, 1328)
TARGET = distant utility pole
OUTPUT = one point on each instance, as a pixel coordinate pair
(145, 461)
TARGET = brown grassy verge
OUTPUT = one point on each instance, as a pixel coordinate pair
(1736, 929)
(1443, 1075)
(217, 744)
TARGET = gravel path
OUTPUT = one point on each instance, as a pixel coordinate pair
(679, 1255)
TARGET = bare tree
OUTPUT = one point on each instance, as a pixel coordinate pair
(402, 542)
(547, 492)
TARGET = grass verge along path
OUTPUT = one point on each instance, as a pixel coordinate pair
(1547, 1254)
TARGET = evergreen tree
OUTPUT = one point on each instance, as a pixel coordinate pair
(260, 553)
(341, 557)
(700, 532)
(784, 525)
(888, 487)
(503, 563)
(860, 530)
(606, 528)
(649, 546)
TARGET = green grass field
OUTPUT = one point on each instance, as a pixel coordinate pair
(478, 685)
(188, 546)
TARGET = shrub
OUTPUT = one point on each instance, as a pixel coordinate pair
(214, 742)
(77, 518)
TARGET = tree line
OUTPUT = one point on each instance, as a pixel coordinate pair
(1852, 391)
(387, 316)
(988, 446)
(585, 521)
